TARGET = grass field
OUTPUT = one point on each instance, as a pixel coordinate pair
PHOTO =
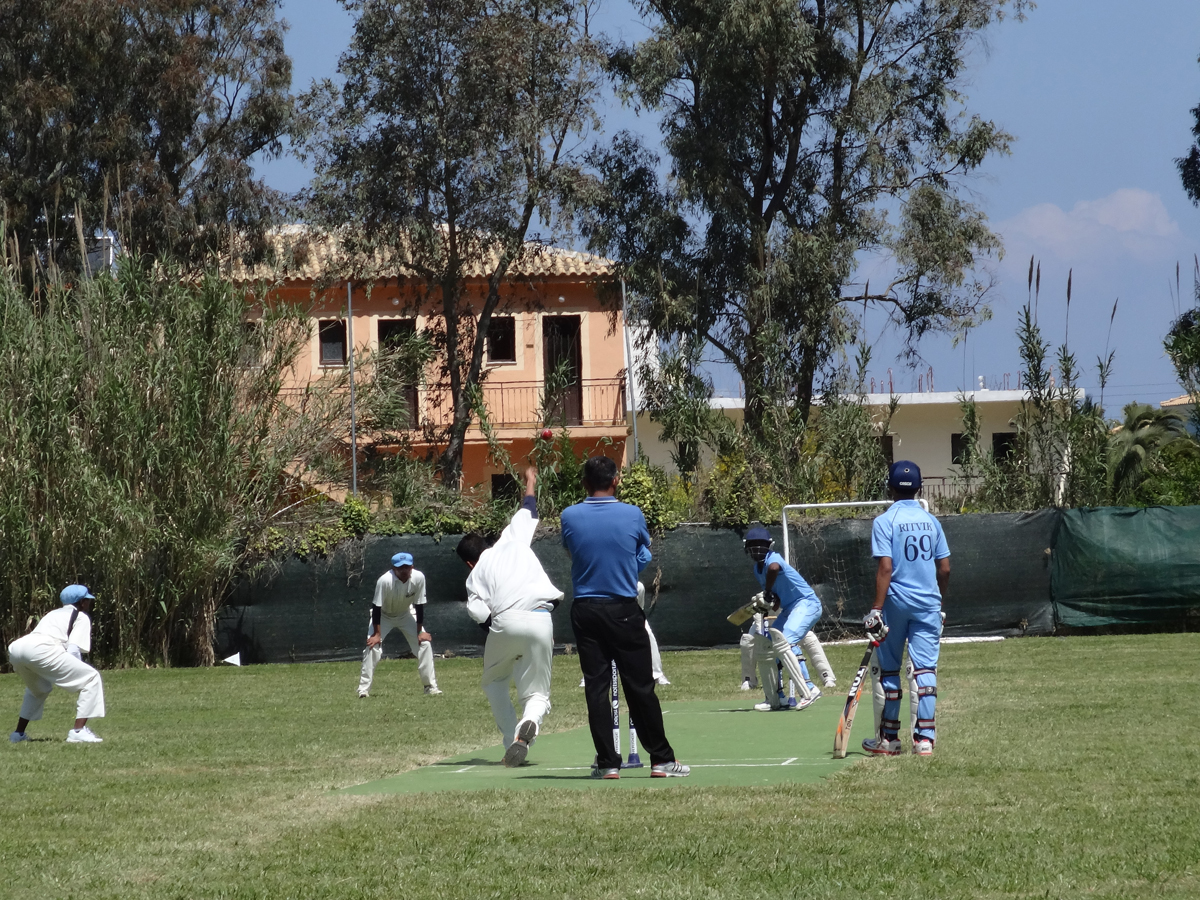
(1066, 768)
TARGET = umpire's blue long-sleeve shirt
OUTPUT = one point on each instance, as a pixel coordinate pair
(609, 544)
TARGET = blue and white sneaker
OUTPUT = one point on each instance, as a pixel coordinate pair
(17, 736)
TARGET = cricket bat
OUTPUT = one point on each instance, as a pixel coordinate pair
(744, 614)
(842, 738)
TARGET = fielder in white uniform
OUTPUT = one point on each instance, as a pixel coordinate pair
(50, 656)
(509, 593)
(399, 603)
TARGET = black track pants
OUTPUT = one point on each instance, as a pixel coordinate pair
(608, 631)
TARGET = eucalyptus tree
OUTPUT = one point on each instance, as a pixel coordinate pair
(139, 118)
(800, 135)
(1182, 344)
(450, 140)
(1189, 163)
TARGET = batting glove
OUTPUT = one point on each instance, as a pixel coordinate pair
(876, 628)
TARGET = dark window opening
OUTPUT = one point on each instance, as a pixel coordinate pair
(332, 333)
(561, 360)
(250, 355)
(502, 339)
(394, 333)
(887, 446)
(505, 487)
(1004, 444)
(958, 449)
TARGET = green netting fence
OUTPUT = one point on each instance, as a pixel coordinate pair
(1011, 574)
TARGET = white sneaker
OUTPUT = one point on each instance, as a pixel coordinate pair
(745, 684)
(923, 747)
(883, 747)
(363, 695)
(830, 683)
(674, 769)
(17, 736)
(802, 703)
(432, 689)
(767, 707)
(661, 679)
(581, 682)
(515, 755)
(83, 735)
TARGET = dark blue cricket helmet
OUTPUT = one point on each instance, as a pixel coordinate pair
(904, 476)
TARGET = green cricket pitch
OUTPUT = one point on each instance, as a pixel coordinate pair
(726, 744)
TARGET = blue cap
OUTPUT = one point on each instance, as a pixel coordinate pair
(757, 533)
(73, 593)
(904, 476)
(402, 559)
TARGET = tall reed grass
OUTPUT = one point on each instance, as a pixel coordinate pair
(145, 442)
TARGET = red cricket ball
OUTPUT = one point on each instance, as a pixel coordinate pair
(547, 434)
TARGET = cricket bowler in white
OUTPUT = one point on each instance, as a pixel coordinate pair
(912, 575)
(399, 603)
(510, 594)
(50, 656)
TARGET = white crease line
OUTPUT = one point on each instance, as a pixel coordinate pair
(465, 769)
(712, 765)
(788, 762)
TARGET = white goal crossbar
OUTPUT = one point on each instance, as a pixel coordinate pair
(847, 505)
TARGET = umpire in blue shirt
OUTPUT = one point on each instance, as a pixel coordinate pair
(609, 545)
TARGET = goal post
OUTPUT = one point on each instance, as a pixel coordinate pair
(850, 504)
(833, 554)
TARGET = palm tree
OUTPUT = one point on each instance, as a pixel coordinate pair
(1134, 446)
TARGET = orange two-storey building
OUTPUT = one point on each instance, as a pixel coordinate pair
(550, 317)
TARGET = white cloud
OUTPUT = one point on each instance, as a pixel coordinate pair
(1129, 223)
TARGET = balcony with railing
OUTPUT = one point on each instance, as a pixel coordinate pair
(588, 402)
(517, 404)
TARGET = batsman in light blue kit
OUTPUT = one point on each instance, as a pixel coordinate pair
(799, 609)
(911, 577)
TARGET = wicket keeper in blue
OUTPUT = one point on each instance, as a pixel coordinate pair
(799, 609)
(911, 577)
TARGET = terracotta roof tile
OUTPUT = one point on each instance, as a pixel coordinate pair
(300, 253)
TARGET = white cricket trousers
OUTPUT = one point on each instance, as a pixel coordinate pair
(520, 646)
(46, 665)
(407, 623)
(655, 656)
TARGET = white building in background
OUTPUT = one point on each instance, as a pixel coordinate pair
(926, 429)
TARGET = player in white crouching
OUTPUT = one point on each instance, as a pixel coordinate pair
(510, 594)
(751, 651)
(50, 656)
(911, 577)
(799, 610)
(399, 602)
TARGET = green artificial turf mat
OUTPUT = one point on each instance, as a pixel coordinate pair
(726, 744)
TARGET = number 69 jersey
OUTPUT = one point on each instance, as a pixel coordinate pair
(915, 541)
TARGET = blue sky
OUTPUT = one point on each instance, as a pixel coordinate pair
(1097, 94)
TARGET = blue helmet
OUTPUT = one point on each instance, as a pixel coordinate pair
(757, 533)
(904, 476)
(73, 593)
